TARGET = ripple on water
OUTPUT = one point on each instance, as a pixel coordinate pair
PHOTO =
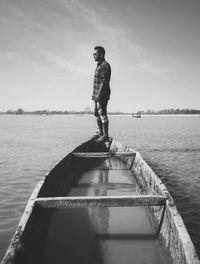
(171, 146)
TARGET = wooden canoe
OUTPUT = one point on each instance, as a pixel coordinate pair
(101, 204)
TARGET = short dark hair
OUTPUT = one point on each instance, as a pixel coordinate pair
(100, 49)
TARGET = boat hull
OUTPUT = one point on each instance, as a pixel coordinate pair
(172, 235)
(166, 220)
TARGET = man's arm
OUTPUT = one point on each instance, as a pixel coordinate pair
(105, 79)
(98, 97)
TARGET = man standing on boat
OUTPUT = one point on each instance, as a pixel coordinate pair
(101, 92)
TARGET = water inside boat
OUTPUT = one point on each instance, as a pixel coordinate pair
(101, 234)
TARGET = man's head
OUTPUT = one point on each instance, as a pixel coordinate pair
(99, 53)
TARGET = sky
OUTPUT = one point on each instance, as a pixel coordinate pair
(46, 49)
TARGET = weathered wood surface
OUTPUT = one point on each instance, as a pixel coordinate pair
(15, 245)
(101, 201)
(107, 185)
(173, 234)
(101, 154)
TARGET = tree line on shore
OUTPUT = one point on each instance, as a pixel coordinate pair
(171, 112)
(87, 110)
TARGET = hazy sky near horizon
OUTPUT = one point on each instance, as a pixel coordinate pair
(46, 51)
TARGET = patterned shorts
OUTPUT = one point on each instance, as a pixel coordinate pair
(100, 108)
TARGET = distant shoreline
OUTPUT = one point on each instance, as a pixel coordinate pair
(110, 114)
(88, 111)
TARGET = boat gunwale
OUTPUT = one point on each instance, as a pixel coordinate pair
(135, 163)
(185, 248)
(15, 245)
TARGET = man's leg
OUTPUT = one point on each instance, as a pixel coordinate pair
(100, 126)
(99, 123)
(105, 122)
(102, 110)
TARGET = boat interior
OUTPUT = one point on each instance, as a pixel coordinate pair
(90, 234)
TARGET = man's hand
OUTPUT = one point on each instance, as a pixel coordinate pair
(97, 99)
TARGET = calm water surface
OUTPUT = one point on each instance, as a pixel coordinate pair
(31, 145)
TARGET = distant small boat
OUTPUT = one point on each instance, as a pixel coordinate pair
(137, 115)
(101, 184)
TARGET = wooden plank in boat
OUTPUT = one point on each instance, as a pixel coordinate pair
(101, 201)
(108, 185)
(102, 154)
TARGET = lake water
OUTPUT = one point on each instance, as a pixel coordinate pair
(31, 145)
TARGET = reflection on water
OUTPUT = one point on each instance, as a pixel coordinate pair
(106, 234)
(32, 145)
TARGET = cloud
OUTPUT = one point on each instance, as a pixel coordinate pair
(62, 33)
(154, 70)
(92, 14)
(66, 63)
(120, 41)
(19, 58)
